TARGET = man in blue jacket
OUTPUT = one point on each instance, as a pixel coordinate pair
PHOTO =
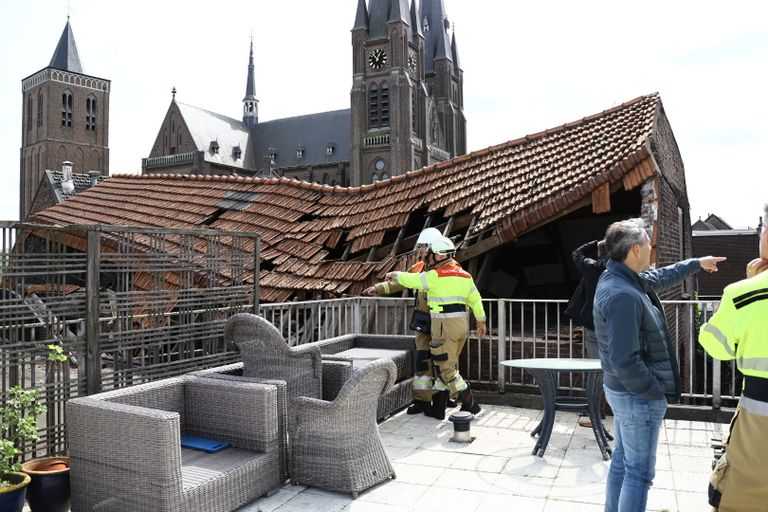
(641, 372)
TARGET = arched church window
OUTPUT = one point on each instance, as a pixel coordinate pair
(373, 106)
(384, 104)
(384, 176)
(29, 112)
(39, 110)
(90, 114)
(66, 109)
(375, 178)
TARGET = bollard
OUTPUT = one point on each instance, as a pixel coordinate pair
(461, 421)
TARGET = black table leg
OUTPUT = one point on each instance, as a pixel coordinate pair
(548, 389)
(594, 384)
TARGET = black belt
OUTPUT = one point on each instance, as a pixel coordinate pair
(454, 308)
(755, 388)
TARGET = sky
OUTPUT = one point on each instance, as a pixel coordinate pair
(528, 66)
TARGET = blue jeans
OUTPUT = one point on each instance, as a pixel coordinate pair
(636, 425)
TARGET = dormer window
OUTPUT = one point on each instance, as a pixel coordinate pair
(272, 155)
(214, 147)
(330, 149)
(300, 152)
(236, 152)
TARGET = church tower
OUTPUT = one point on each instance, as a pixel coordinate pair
(65, 117)
(250, 103)
(406, 98)
(445, 83)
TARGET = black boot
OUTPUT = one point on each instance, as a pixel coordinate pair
(437, 410)
(451, 403)
(468, 403)
(418, 406)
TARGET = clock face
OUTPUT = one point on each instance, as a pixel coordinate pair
(377, 58)
(412, 63)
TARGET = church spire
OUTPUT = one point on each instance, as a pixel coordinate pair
(250, 103)
(65, 57)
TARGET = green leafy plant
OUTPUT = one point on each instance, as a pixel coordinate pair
(17, 427)
(18, 420)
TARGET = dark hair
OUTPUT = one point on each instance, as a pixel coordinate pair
(621, 236)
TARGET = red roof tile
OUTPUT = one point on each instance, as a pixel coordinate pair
(507, 188)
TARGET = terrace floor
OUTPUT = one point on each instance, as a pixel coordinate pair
(497, 471)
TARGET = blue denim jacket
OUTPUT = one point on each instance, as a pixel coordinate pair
(636, 349)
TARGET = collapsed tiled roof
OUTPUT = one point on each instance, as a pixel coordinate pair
(506, 190)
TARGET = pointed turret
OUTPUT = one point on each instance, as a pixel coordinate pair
(455, 52)
(361, 17)
(65, 57)
(250, 103)
(398, 11)
(415, 25)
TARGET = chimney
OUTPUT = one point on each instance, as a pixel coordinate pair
(67, 185)
(94, 175)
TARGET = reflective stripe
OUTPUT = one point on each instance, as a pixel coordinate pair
(472, 289)
(754, 406)
(449, 299)
(759, 364)
(719, 336)
(422, 383)
(480, 318)
(458, 384)
(449, 315)
(424, 283)
(439, 385)
(386, 288)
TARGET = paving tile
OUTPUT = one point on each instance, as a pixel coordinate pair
(313, 501)
(557, 505)
(440, 499)
(392, 492)
(691, 501)
(663, 499)
(467, 480)
(417, 474)
(481, 463)
(500, 502)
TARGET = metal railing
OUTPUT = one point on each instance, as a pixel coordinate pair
(134, 305)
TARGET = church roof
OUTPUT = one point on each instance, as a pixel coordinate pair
(313, 133)
(436, 44)
(502, 192)
(381, 12)
(206, 127)
(65, 56)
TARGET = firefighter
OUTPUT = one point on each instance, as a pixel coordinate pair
(450, 291)
(738, 330)
(422, 381)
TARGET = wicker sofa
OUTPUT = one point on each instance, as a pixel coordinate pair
(345, 354)
(125, 449)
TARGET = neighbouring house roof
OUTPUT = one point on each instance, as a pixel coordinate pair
(81, 182)
(308, 229)
(712, 222)
(740, 246)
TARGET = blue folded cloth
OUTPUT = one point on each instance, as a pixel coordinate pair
(201, 443)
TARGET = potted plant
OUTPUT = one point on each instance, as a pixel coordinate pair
(17, 426)
(44, 481)
(48, 490)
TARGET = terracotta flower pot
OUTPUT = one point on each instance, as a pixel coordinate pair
(49, 489)
(12, 497)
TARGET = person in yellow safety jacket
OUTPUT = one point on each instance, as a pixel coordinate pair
(450, 290)
(739, 331)
(421, 395)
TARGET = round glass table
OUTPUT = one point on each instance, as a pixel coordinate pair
(545, 371)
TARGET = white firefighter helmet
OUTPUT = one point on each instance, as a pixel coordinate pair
(428, 236)
(443, 246)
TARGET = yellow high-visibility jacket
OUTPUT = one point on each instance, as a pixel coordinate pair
(739, 328)
(450, 290)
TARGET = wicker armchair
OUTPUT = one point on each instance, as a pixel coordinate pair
(125, 450)
(266, 355)
(234, 372)
(336, 445)
(343, 355)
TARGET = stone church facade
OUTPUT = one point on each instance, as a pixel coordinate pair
(65, 118)
(406, 112)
